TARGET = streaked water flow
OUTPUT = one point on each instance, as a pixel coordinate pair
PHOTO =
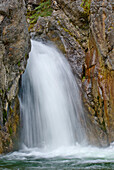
(50, 102)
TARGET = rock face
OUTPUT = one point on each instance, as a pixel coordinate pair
(14, 48)
(35, 2)
(83, 31)
(99, 69)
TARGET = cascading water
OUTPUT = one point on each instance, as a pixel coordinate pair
(50, 102)
(51, 112)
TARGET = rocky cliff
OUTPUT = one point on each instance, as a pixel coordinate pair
(14, 48)
(99, 69)
(83, 31)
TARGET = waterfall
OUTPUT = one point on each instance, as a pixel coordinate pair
(51, 109)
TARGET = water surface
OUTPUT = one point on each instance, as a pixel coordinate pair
(74, 157)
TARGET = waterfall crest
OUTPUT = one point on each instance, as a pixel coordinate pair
(50, 102)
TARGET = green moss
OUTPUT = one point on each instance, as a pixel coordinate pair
(110, 28)
(86, 6)
(104, 126)
(10, 130)
(11, 110)
(83, 78)
(20, 71)
(98, 98)
(26, 55)
(0, 91)
(58, 22)
(4, 117)
(19, 63)
(65, 29)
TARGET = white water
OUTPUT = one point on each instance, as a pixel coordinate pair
(65, 157)
(77, 151)
(52, 134)
(50, 102)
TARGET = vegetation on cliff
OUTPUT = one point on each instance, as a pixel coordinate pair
(44, 9)
(86, 6)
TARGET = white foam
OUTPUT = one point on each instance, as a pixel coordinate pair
(87, 153)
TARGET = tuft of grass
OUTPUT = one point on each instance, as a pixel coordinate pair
(43, 10)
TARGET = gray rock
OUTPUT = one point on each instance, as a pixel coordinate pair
(14, 49)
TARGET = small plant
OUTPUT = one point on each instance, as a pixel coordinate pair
(44, 9)
(19, 64)
(0, 91)
(86, 6)
(10, 130)
(4, 117)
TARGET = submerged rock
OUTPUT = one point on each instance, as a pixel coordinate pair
(14, 48)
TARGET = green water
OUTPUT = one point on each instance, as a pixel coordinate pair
(57, 163)
(76, 157)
